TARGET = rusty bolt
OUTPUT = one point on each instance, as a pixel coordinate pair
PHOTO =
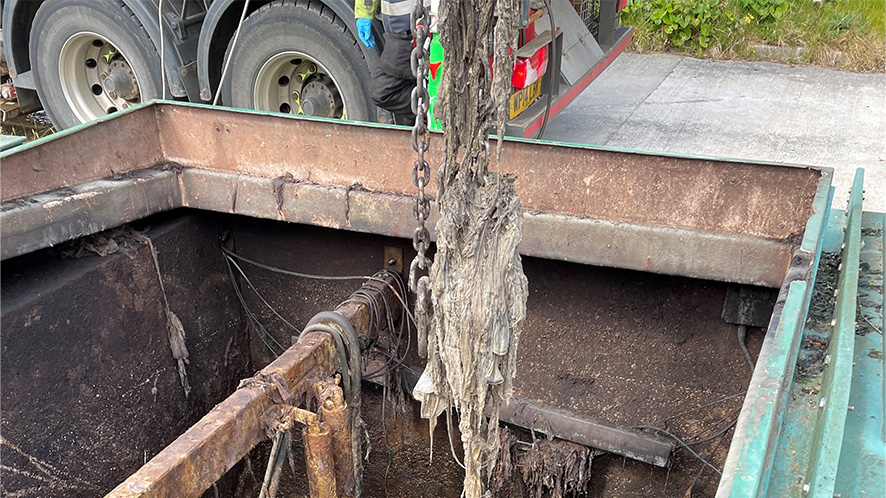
(392, 261)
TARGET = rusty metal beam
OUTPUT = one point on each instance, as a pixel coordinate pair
(698, 217)
(212, 446)
(587, 431)
(49, 219)
(771, 201)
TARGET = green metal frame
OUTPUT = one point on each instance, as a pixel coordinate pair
(752, 454)
(827, 439)
(810, 439)
(10, 141)
(862, 467)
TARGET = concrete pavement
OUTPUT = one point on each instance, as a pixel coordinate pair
(754, 110)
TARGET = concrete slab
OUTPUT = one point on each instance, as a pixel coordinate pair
(598, 113)
(754, 110)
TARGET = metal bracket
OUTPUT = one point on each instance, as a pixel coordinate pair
(394, 259)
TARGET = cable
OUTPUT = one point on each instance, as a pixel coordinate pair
(323, 277)
(256, 324)
(681, 443)
(551, 77)
(398, 292)
(294, 273)
(162, 51)
(224, 73)
(262, 299)
(687, 412)
(742, 335)
(710, 457)
(714, 436)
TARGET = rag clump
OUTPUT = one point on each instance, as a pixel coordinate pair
(478, 289)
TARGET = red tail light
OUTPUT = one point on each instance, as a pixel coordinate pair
(621, 5)
(527, 70)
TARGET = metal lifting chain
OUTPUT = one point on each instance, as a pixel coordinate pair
(421, 141)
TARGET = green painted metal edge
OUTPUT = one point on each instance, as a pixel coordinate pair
(75, 129)
(10, 141)
(817, 223)
(837, 380)
(862, 468)
(754, 465)
(756, 439)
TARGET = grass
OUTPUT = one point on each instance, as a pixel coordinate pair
(843, 34)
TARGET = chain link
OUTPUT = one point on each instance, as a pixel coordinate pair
(419, 60)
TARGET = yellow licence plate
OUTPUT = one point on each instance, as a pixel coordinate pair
(524, 98)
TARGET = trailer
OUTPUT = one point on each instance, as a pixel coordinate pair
(83, 59)
(696, 326)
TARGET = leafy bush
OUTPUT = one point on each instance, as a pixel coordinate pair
(766, 10)
(682, 22)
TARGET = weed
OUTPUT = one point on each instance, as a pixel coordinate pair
(848, 34)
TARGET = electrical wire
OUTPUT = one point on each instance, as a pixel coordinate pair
(262, 299)
(347, 342)
(324, 277)
(710, 457)
(720, 433)
(162, 50)
(230, 53)
(256, 324)
(393, 360)
(687, 412)
(742, 336)
(681, 443)
(551, 77)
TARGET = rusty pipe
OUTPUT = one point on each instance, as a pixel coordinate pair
(319, 461)
(269, 472)
(334, 412)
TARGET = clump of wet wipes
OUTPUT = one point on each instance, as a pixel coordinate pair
(478, 289)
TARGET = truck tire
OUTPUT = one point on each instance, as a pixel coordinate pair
(298, 59)
(91, 58)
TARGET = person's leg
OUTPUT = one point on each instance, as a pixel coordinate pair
(392, 82)
(393, 95)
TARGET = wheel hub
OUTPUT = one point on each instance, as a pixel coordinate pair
(319, 97)
(120, 81)
(293, 83)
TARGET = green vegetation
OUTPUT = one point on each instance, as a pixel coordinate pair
(846, 34)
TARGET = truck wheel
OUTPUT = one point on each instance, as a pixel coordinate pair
(91, 58)
(298, 59)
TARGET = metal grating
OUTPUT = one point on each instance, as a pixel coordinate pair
(589, 11)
